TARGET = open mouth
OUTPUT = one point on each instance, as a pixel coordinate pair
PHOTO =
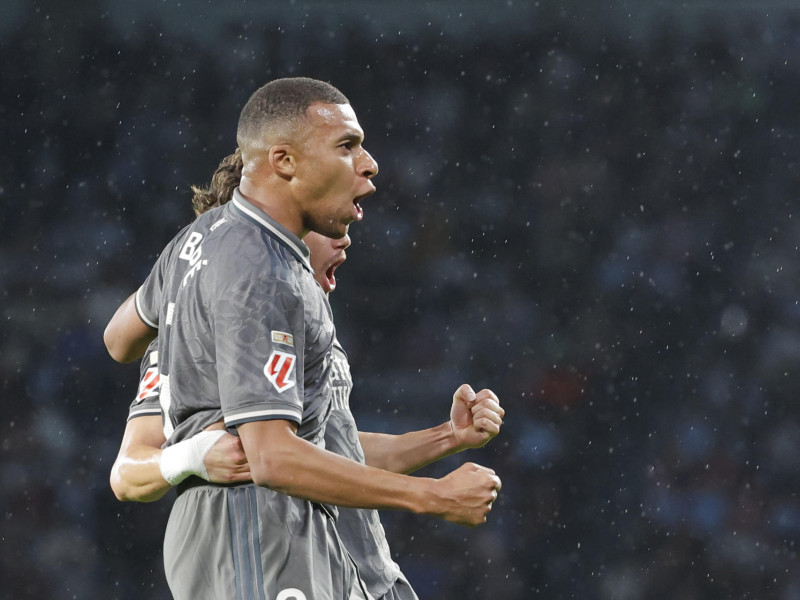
(357, 204)
(330, 278)
(359, 210)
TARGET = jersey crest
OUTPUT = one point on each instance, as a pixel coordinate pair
(280, 370)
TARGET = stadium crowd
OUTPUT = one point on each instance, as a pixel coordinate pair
(598, 226)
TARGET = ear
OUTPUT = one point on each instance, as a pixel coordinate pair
(283, 161)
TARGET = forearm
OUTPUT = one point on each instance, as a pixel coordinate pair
(136, 476)
(143, 472)
(408, 452)
(293, 466)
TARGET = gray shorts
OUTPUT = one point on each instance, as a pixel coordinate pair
(251, 543)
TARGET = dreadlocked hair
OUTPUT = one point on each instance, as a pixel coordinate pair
(225, 179)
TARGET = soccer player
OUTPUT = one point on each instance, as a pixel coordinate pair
(140, 475)
(246, 335)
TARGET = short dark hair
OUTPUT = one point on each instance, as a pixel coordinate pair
(280, 103)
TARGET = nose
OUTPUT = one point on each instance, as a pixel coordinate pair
(367, 165)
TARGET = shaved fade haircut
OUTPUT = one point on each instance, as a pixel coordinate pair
(275, 108)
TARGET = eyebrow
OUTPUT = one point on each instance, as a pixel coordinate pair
(353, 136)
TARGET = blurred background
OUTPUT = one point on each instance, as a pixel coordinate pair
(590, 208)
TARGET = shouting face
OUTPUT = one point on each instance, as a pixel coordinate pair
(333, 172)
(326, 255)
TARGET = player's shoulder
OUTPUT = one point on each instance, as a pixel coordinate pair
(209, 222)
(241, 249)
(167, 254)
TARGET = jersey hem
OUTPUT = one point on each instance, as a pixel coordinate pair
(262, 415)
(144, 412)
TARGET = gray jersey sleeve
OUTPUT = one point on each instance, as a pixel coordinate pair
(146, 402)
(259, 332)
(148, 297)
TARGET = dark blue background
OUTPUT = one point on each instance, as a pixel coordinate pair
(589, 209)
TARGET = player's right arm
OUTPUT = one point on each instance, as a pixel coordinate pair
(126, 336)
(282, 461)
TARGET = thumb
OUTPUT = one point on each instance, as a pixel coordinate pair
(465, 393)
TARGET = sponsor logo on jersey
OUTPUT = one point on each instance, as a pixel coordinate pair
(280, 370)
(218, 223)
(281, 337)
(148, 386)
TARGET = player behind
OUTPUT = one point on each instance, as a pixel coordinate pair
(141, 472)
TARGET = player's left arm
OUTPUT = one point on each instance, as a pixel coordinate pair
(135, 475)
(474, 420)
(143, 472)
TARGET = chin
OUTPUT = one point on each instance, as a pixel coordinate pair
(337, 234)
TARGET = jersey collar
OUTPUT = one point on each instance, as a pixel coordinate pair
(271, 226)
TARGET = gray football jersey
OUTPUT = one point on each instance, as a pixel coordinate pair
(245, 332)
(360, 529)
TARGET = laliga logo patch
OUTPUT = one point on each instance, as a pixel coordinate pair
(148, 386)
(280, 370)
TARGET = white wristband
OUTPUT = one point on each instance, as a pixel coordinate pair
(186, 458)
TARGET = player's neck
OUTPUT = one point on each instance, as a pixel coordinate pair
(277, 205)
